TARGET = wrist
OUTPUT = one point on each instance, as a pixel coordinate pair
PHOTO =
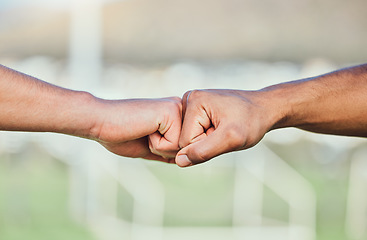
(272, 103)
(279, 107)
(84, 120)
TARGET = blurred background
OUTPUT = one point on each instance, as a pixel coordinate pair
(293, 185)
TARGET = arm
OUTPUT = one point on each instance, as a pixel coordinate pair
(220, 121)
(133, 128)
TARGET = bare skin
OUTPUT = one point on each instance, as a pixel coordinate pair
(221, 121)
(145, 128)
(214, 121)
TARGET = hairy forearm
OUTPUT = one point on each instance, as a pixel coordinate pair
(334, 103)
(29, 104)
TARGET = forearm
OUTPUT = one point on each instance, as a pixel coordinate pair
(334, 103)
(28, 104)
(145, 128)
(221, 121)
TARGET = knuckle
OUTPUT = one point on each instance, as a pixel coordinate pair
(177, 99)
(158, 151)
(195, 94)
(163, 146)
(186, 95)
(172, 110)
(153, 149)
(158, 148)
(175, 104)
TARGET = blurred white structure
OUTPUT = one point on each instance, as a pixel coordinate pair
(85, 55)
(271, 171)
(96, 175)
(356, 215)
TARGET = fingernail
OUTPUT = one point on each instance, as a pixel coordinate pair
(183, 161)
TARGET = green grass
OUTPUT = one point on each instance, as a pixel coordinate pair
(33, 200)
(196, 197)
(329, 179)
(34, 194)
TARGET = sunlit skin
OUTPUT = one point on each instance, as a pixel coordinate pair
(144, 128)
(201, 126)
(221, 121)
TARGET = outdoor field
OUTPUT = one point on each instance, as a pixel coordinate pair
(294, 185)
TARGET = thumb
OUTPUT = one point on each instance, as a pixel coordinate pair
(218, 142)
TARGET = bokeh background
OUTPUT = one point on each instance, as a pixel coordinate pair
(293, 185)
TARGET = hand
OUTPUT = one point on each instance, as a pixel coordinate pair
(220, 121)
(144, 128)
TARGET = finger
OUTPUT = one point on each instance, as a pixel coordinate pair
(210, 130)
(147, 118)
(214, 144)
(154, 157)
(195, 122)
(184, 102)
(203, 135)
(169, 135)
(158, 145)
(164, 142)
